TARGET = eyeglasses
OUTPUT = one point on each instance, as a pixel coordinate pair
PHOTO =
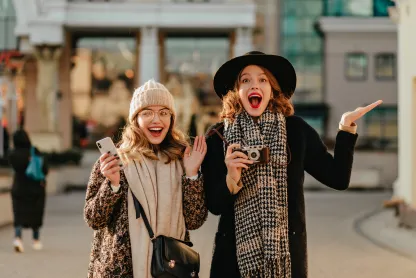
(148, 115)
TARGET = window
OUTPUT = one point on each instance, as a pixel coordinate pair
(102, 82)
(381, 7)
(190, 62)
(317, 123)
(197, 58)
(303, 46)
(349, 7)
(315, 115)
(385, 67)
(8, 40)
(359, 8)
(356, 66)
(381, 128)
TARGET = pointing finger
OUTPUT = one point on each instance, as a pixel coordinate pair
(372, 106)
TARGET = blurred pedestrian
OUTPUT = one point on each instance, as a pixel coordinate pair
(254, 169)
(6, 141)
(28, 194)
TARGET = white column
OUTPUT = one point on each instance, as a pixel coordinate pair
(243, 41)
(149, 55)
(271, 26)
(47, 85)
(405, 187)
(12, 104)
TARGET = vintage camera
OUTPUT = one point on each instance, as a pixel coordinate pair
(258, 154)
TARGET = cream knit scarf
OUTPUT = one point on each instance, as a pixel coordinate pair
(158, 188)
(261, 207)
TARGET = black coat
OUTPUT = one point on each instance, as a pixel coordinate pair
(28, 196)
(308, 153)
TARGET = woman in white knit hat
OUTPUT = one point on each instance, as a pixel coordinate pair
(161, 170)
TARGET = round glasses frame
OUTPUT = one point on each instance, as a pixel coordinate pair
(148, 114)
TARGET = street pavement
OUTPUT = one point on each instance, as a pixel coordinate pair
(336, 250)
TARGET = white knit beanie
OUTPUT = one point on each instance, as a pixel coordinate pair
(150, 93)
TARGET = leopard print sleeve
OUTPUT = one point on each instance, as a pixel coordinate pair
(194, 208)
(100, 198)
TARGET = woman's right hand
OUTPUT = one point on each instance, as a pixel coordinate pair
(110, 168)
(235, 162)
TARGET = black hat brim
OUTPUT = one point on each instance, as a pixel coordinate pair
(280, 67)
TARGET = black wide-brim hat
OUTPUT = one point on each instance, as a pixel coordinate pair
(280, 67)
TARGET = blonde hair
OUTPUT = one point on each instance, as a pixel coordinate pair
(279, 103)
(134, 143)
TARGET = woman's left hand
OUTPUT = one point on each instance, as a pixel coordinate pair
(349, 118)
(194, 156)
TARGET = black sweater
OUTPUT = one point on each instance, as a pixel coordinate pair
(308, 153)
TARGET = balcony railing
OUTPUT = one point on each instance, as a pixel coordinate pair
(357, 8)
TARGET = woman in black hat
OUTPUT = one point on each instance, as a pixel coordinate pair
(258, 189)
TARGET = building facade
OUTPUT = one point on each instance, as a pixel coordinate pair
(83, 59)
(359, 50)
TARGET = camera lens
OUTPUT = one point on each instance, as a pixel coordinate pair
(99, 145)
(254, 155)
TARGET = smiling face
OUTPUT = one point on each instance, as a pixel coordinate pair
(155, 121)
(254, 90)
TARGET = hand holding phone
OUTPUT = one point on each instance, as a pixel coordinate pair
(110, 164)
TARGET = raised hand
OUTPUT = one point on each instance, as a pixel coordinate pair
(193, 156)
(351, 116)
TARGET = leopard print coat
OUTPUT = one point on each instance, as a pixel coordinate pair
(106, 213)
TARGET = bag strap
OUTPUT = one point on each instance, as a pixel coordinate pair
(139, 210)
(215, 130)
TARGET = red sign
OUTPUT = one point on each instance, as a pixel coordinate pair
(7, 56)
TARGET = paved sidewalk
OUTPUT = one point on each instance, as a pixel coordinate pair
(66, 245)
(381, 227)
(67, 241)
(334, 247)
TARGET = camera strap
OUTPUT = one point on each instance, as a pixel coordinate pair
(215, 130)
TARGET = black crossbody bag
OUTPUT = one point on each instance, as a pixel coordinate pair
(172, 258)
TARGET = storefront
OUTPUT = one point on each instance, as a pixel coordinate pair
(104, 75)
(101, 51)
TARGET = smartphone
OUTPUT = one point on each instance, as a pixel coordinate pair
(106, 145)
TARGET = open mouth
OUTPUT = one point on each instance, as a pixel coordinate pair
(255, 100)
(155, 131)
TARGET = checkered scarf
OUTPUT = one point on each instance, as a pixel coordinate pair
(261, 207)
